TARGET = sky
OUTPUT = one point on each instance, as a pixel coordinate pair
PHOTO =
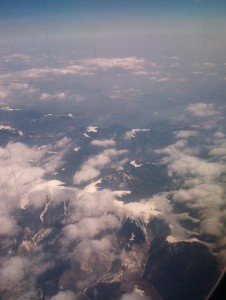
(121, 17)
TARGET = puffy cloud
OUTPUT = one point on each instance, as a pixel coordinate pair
(13, 271)
(41, 261)
(8, 225)
(134, 131)
(21, 178)
(65, 295)
(12, 88)
(133, 64)
(86, 248)
(23, 166)
(218, 149)
(58, 96)
(86, 173)
(51, 190)
(89, 214)
(103, 143)
(18, 174)
(88, 67)
(212, 225)
(3, 93)
(219, 135)
(202, 186)
(32, 294)
(17, 57)
(19, 273)
(54, 154)
(19, 170)
(129, 135)
(90, 204)
(90, 227)
(202, 110)
(134, 296)
(184, 134)
(63, 143)
(201, 196)
(92, 167)
(182, 162)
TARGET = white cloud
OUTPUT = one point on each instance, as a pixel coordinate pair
(53, 159)
(86, 248)
(90, 205)
(89, 227)
(92, 167)
(90, 214)
(88, 67)
(86, 173)
(218, 149)
(184, 134)
(17, 57)
(3, 93)
(134, 131)
(8, 225)
(219, 135)
(63, 143)
(212, 225)
(133, 64)
(202, 110)
(19, 86)
(19, 170)
(201, 196)
(134, 296)
(65, 295)
(13, 271)
(201, 182)
(48, 96)
(21, 174)
(182, 162)
(103, 143)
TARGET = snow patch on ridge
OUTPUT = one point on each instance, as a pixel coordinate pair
(142, 209)
(133, 163)
(9, 128)
(91, 129)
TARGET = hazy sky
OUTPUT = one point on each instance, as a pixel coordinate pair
(168, 50)
(106, 17)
